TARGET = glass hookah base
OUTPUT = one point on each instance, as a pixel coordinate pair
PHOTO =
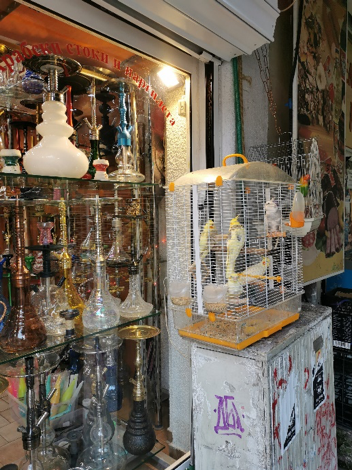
(127, 176)
(14, 340)
(133, 312)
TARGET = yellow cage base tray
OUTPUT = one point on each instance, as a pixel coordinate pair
(249, 330)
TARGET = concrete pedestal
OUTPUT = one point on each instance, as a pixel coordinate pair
(270, 406)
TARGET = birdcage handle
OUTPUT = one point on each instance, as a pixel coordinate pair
(234, 155)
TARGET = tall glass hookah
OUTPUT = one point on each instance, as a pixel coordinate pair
(47, 298)
(70, 293)
(32, 431)
(23, 330)
(102, 309)
(126, 171)
(94, 130)
(101, 452)
(117, 256)
(51, 457)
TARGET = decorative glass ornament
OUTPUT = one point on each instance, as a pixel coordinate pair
(32, 83)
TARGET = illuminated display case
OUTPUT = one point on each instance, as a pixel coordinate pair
(88, 233)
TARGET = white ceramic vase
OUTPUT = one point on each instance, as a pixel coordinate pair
(55, 155)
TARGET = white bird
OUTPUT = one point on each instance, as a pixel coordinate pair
(253, 274)
(272, 216)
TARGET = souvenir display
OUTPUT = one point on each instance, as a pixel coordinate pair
(82, 157)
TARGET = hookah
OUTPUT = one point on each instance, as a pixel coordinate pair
(117, 257)
(4, 303)
(94, 130)
(102, 309)
(7, 232)
(23, 330)
(48, 293)
(107, 133)
(73, 299)
(114, 392)
(134, 306)
(124, 158)
(101, 452)
(139, 437)
(45, 238)
(51, 457)
(32, 432)
(54, 155)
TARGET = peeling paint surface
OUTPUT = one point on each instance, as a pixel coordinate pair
(270, 406)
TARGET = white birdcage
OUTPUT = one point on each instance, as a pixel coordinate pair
(234, 268)
(300, 159)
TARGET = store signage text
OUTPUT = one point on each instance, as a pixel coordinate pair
(26, 52)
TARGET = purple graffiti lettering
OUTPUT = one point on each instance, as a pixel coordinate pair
(229, 421)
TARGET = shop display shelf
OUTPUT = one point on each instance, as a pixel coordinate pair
(59, 343)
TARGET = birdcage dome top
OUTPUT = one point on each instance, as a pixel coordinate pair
(251, 171)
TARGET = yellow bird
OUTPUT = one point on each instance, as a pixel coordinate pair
(206, 239)
(235, 243)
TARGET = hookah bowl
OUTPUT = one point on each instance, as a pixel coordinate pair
(101, 164)
(139, 437)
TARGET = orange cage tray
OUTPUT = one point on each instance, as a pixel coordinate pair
(195, 331)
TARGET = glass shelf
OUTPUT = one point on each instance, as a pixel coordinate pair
(58, 343)
(22, 180)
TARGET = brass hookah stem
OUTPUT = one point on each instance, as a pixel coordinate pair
(138, 389)
(65, 257)
(22, 274)
(7, 233)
